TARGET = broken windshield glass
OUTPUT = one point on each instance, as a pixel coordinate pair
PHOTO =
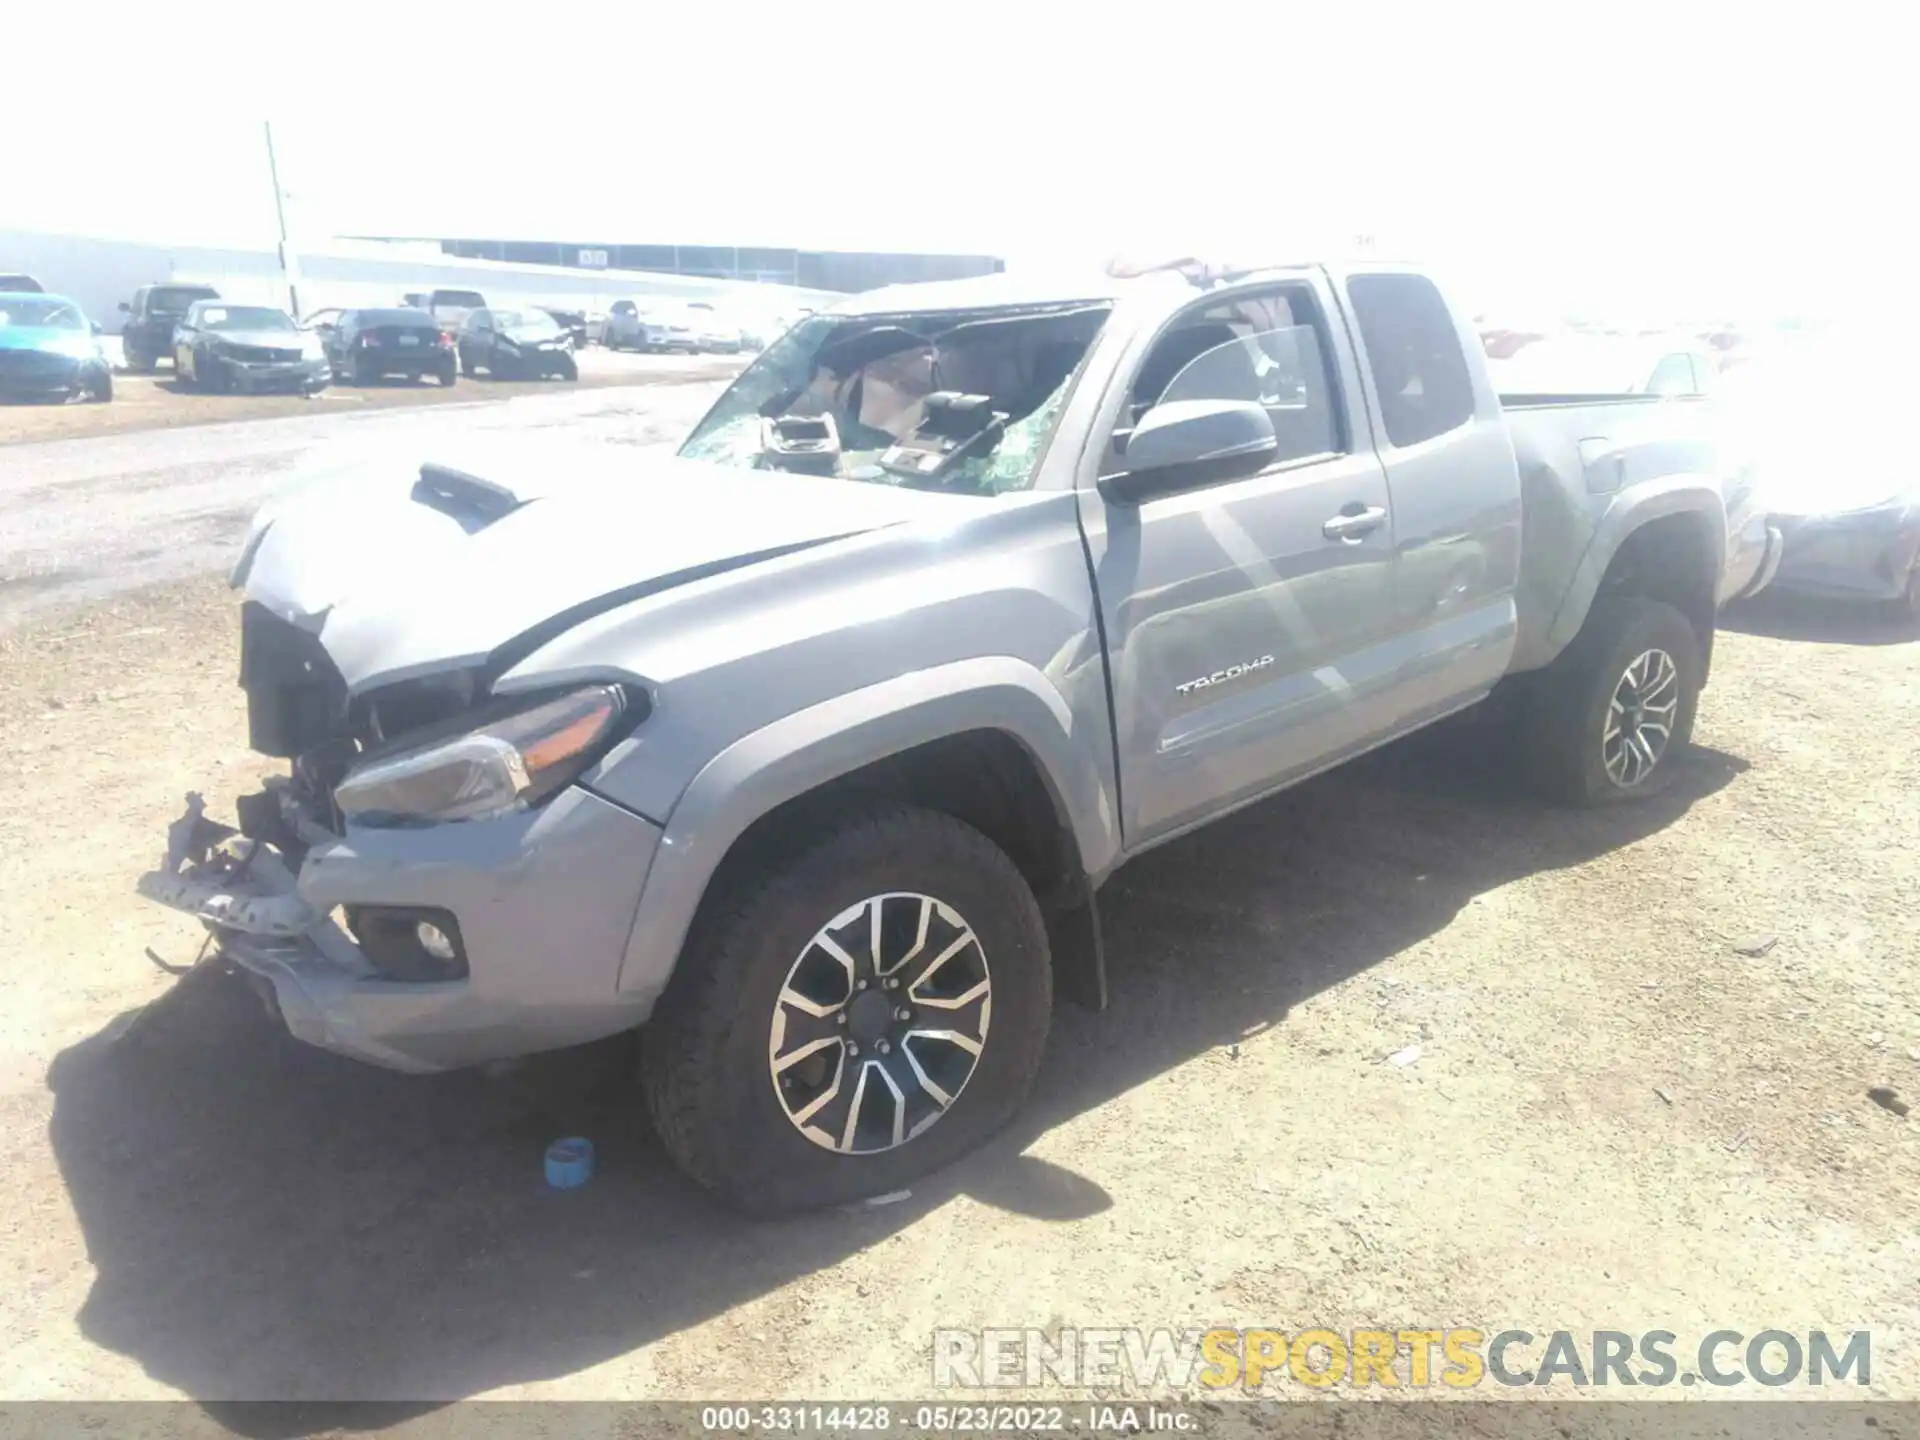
(892, 385)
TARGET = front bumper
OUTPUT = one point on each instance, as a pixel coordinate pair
(31, 373)
(544, 901)
(1862, 555)
(277, 374)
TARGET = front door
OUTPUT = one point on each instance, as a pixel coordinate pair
(1247, 623)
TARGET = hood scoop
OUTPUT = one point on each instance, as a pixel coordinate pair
(469, 501)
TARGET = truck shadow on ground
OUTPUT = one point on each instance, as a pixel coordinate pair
(269, 1222)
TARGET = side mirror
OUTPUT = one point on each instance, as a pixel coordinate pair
(1184, 444)
(125, 308)
(96, 327)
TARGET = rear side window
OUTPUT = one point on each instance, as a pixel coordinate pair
(468, 298)
(1414, 353)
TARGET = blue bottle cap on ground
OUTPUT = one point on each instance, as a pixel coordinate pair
(569, 1163)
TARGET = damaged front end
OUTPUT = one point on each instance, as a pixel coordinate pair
(389, 891)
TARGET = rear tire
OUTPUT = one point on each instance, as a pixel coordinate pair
(448, 373)
(1609, 718)
(708, 1055)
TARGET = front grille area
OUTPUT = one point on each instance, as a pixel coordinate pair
(259, 354)
(33, 365)
(296, 698)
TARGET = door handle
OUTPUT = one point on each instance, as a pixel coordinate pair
(1354, 523)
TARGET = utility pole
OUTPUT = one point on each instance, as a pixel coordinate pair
(288, 266)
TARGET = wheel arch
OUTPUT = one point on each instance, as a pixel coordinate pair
(990, 742)
(1669, 545)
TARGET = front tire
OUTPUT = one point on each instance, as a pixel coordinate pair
(794, 1063)
(568, 368)
(1608, 719)
(99, 386)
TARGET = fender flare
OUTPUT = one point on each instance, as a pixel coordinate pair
(801, 752)
(1633, 509)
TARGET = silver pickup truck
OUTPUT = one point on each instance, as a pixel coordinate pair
(810, 748)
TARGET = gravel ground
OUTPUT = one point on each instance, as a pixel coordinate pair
(1616, 1117)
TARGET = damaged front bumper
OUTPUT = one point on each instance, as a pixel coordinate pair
(542, 902)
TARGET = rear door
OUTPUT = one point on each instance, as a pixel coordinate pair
(1439, 430)
(1248, 623)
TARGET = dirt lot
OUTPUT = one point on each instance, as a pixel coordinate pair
(156, 402)
(1616, 1118)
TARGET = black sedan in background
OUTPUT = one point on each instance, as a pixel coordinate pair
(574, 322)
(515, 345)
(368, 345)
(221, 346)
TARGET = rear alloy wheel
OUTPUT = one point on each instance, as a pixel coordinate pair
(1606, 719)
(1640, 716)
(848, 1019)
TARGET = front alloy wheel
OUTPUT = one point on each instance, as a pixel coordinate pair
(863, 1001)
(880, 1024)
(1640, 718)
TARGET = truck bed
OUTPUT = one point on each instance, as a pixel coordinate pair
(1573, 449)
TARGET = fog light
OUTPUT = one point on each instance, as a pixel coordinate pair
(412, 943)
(435, 941)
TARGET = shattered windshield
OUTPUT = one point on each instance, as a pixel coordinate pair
(960, 401)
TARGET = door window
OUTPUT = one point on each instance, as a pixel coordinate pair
(1413, 350)
(1267, 347)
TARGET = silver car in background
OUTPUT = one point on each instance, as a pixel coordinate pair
(662, 327)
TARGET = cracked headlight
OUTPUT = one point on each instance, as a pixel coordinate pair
(509, 763)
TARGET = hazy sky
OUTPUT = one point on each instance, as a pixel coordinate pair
(1700, 155)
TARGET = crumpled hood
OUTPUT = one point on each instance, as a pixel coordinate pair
(268, 339)
(398, 582)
